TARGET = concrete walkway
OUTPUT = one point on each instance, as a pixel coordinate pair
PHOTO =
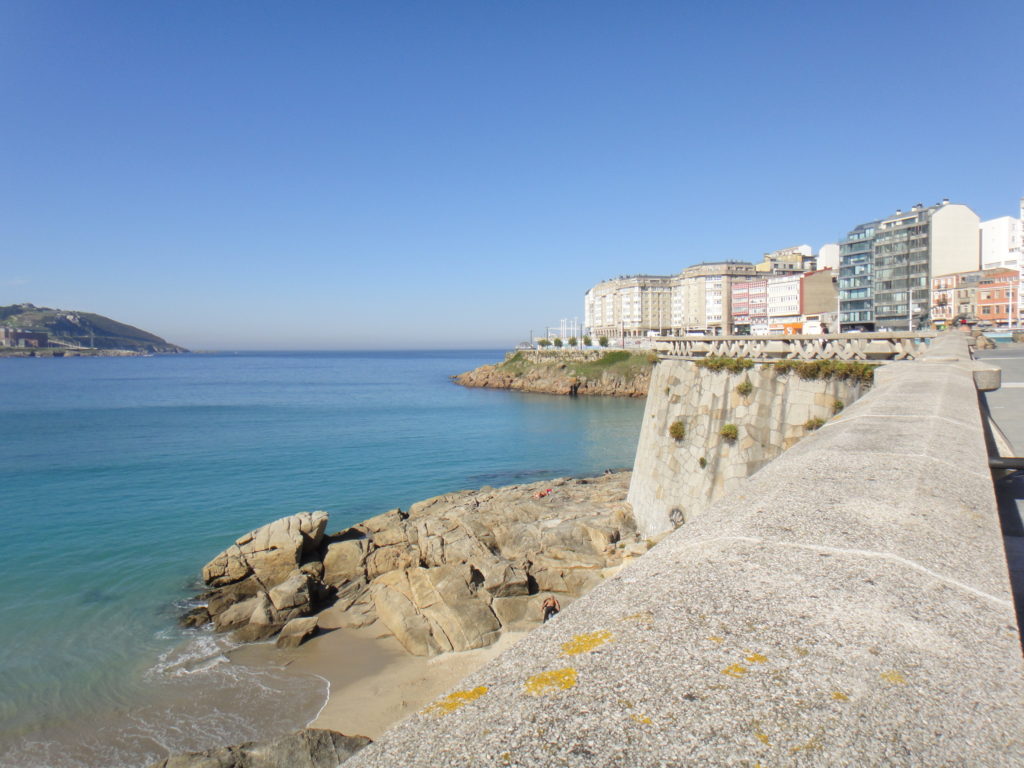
(1007, 408)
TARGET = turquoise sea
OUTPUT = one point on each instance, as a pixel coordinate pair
(121, 477)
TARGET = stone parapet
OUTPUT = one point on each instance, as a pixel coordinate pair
(877, 347)
(849, 604)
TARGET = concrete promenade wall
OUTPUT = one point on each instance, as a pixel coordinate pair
(669, 485)
(847, 605)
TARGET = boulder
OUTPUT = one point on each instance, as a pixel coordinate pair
(460, 620)
(518, 612)
(296, 632)
(293, 594)
(392, 600)
(269, 553)
(386, 559)
(344, 561)
(308, 748)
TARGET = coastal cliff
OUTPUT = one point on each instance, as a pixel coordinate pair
(617, 373)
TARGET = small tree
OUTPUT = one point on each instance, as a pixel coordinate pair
(558, 343)
(572, 341)
(587, 341)
(544, 342)
(602, 340)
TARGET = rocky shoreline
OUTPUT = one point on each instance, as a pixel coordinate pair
(453, 573)
(617, 373)
(450, 574)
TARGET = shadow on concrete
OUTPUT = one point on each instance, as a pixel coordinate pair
(1009, 489)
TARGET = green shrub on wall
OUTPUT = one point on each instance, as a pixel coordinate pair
(677, 430)
(730, 364)
(745, 387)
(811, 370)
(837, 406)
(703, 462)
(812, 424)
(729, 432)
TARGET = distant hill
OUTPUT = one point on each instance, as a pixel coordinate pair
(70, 328)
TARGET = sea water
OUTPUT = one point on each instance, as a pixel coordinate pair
(121, 477)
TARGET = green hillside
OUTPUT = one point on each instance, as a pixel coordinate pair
(70, 328)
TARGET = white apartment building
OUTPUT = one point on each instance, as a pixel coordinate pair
(784, 302)
(828, 257)
(629, 306)
(1001, 242)
(697, 300)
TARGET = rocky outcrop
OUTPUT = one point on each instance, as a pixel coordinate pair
(448, 575)
(265, 579)
(617, 373)
(308, 748)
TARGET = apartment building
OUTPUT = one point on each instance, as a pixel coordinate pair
(997, 299)
(783, 303)
(697, 300)
(794, 260)
(629, 306)
(887, 265)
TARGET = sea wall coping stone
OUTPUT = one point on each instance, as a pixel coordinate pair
(849, 604)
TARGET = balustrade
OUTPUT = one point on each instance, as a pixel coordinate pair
(876, 347)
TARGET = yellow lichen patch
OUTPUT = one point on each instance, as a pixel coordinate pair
(586, 642)
(894, 677)
(812, 744)
(548, 682)
(642, 616)
(840, 696)
(454, 701)
(762, 737)
(735, 670)
(640, 719)
(757, 658)
(716, 639)
(802, 652)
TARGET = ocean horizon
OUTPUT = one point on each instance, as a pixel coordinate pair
(122, 477)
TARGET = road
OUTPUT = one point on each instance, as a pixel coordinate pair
(1007, 408)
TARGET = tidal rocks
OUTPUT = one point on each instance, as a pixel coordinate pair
(448, 575)
(308, 748)
(269, 554)
(266, 578)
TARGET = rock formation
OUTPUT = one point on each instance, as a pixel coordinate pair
(449, 574)
(308, 748)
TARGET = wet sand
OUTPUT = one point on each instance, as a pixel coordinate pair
(374, 682)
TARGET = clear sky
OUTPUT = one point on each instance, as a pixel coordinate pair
(338, 175)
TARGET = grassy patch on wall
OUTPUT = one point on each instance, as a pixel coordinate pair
(730, 364)
(811, 370)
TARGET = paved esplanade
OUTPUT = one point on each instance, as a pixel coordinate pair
(1007, 408)
(847, 605)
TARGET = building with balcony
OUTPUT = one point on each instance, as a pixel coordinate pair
(998, 298)
(629, 306)
(887, 265)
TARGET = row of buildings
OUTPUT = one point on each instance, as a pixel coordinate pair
(924, 268)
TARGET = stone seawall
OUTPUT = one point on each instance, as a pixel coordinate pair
(675, 479)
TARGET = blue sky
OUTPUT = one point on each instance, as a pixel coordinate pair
(339, 175)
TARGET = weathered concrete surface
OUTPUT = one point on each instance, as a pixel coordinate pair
(846, 605)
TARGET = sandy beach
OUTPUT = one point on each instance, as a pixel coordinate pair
(374, 682)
